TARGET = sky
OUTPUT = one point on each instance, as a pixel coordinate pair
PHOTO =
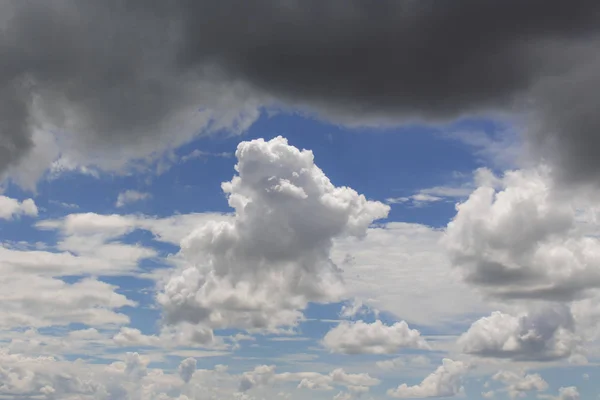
(299, 200)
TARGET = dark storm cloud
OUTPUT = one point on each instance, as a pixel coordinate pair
(123, 67)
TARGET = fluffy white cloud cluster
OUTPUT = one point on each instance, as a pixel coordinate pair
(375, 338)
(445, 381)
(523, 237)
(543, 334)
(10, 208)
(260, 270)
(51, 378)
(519, 383)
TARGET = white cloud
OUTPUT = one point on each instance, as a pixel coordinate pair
(374, 338)
(564, 393)
(518, 383)
(265, 375)
(528, 239)
(543, 334)
(401, 268)
(131, 196)
(445, 381)
(407, 361)
(417, 200)
(259, 270)
(197, 153)
(32, 300)
(128, 379)
(10, 208)
(435, 194)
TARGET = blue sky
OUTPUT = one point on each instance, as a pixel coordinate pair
(132, 250)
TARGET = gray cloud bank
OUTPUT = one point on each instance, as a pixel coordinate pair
(130, 74)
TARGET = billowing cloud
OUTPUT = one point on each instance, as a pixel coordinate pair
(114, 92)
(260, 270)
(374, 338)
(523, 237)
(544, 334)
(445, 381)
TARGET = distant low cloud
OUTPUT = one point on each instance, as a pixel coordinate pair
(374, 338)
(131, 196)
(445, 381)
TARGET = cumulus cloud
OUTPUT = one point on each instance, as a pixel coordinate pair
(10, 208)
(524, 237)
(543, 334)
(445, 381)
(260, 269)
(127, 379)
(519, 383)
(130, 196)
(564, 393)
(374, 338)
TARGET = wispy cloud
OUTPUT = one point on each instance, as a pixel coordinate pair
(131, 196)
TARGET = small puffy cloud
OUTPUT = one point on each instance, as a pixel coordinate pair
(523, 237)
(134, 337)
(261, 375)
(187, 368)
(260, 269)
(564, 393)
(131, 196)
(445, 381)
(11, 208)
(372, 338)
(544, 334)
(519, 383)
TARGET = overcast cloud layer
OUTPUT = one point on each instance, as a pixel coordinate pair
(107, 74)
